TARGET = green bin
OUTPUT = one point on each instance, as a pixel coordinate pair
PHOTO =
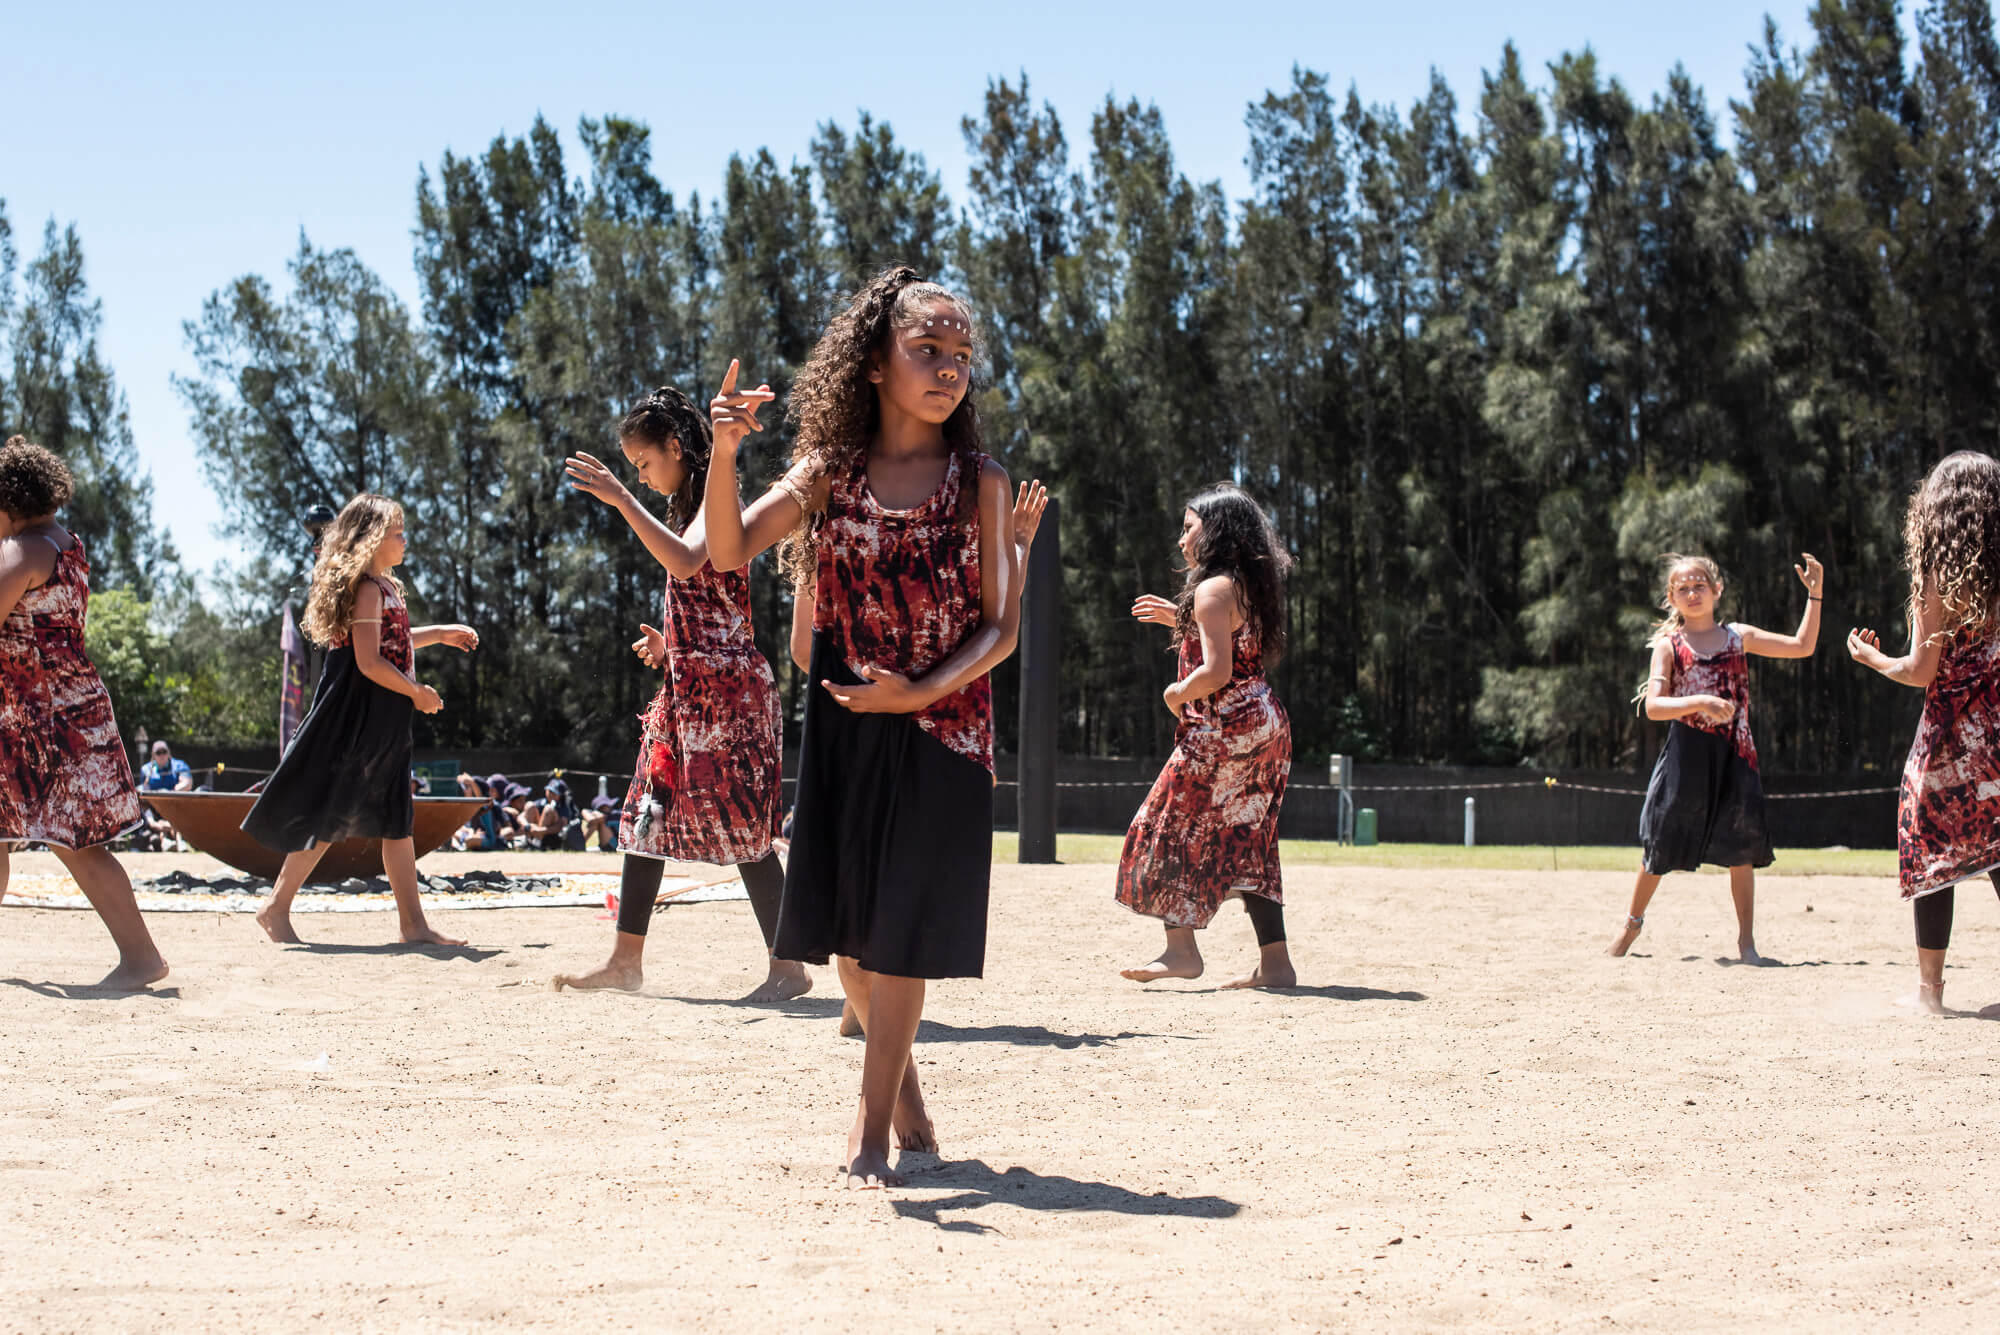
(1364, 828)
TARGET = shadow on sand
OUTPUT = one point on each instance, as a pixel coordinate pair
(90, 991)
(977, 1185)
(472, 953)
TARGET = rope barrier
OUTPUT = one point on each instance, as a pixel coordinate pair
(1549, 783)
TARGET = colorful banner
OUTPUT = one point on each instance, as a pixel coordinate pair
(291, 681)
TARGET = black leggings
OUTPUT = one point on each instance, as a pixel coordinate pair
(1934, 916)
(639, 890)
(1267, 919)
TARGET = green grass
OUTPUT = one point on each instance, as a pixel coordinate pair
(1104, 848)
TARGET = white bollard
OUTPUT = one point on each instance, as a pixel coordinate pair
(602, 790)
(1468, 823)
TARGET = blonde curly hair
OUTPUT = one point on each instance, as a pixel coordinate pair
(345, 551)
(1951, 541)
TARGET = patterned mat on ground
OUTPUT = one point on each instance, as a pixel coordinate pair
(179, 892)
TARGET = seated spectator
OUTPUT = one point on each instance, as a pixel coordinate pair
(555, 824)
(164, 773)
(601, 823)
(419, 785)
(497, 826)
(469, 786)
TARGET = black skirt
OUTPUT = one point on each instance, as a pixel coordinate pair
(1705, 804)
(347, 774)
(892, 843)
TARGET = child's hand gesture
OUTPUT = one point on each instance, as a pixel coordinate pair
(880, 692)
(1865, 647)
(426, 700)
(1153, 608)
(1029, 506)
(463, 638)
(1810, 574)
(733, 415)
(589, 475)
(651, 646)
(1715, 709)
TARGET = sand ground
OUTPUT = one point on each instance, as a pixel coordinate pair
(1468, 1119)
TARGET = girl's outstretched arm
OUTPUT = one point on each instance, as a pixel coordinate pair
(1662, 707)
(884, 692)
(23, 566)
(736, 532)
(681, 554)
(1802, 643)
(1918, 667)
(365, 633)
(1215, 612)
(458, 637)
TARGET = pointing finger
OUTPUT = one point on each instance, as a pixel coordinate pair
(729, 379)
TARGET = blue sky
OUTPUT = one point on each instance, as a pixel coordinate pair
(190, 144)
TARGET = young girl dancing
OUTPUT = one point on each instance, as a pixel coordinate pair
(1948, 817)
(1705, 803)
(347, 774)
(64, 779)
(1209, 827)
(902, 529)
(706, 787)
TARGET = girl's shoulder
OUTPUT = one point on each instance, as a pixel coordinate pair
(1219, 594)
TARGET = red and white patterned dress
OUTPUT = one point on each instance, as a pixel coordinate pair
(1705, 800)
(1209, 827)
(707, 781)
(64, 777)
(892, 840)
(1948, 817)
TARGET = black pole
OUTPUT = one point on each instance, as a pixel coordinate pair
(1041, 647)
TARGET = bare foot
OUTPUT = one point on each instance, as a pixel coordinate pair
(867, 1165)
(1749, 953)
(788, 979)
(1168, 965)
(912, 1122)
(278, 926)
(134, 975)
(850, 1023)
(428, 936)
(1624, 942)
(1928, 998)
(614, 976)
(1263, 977)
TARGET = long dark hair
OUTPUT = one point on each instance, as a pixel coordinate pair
(1237, 540)
(667, 414)
(834, 410)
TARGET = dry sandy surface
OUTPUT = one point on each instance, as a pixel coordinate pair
(1469, 1119)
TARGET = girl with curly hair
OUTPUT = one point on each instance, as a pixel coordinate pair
(347, 773)
(1948, 816)
(1208, 829)
(706, 785)
(1705, 801)
(64, 778)
(899, 529)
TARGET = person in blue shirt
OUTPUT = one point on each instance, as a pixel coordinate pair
(164, 773)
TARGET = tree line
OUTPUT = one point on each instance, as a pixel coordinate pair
(1483, 364)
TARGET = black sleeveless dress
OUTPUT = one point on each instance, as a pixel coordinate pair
(347, 774)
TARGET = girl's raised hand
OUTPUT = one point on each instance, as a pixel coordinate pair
(880, 692)
(427, 701)
(464, 638)
(1865, 647)
(1810, 574)
(1029, 506)
(589, 475)
(651, 646)
(1153, 608)
(733, 415)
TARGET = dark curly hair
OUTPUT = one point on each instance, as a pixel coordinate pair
(33, 481)
(834, 411)
(1951, 541)
(1237, 540)
(667, 414)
